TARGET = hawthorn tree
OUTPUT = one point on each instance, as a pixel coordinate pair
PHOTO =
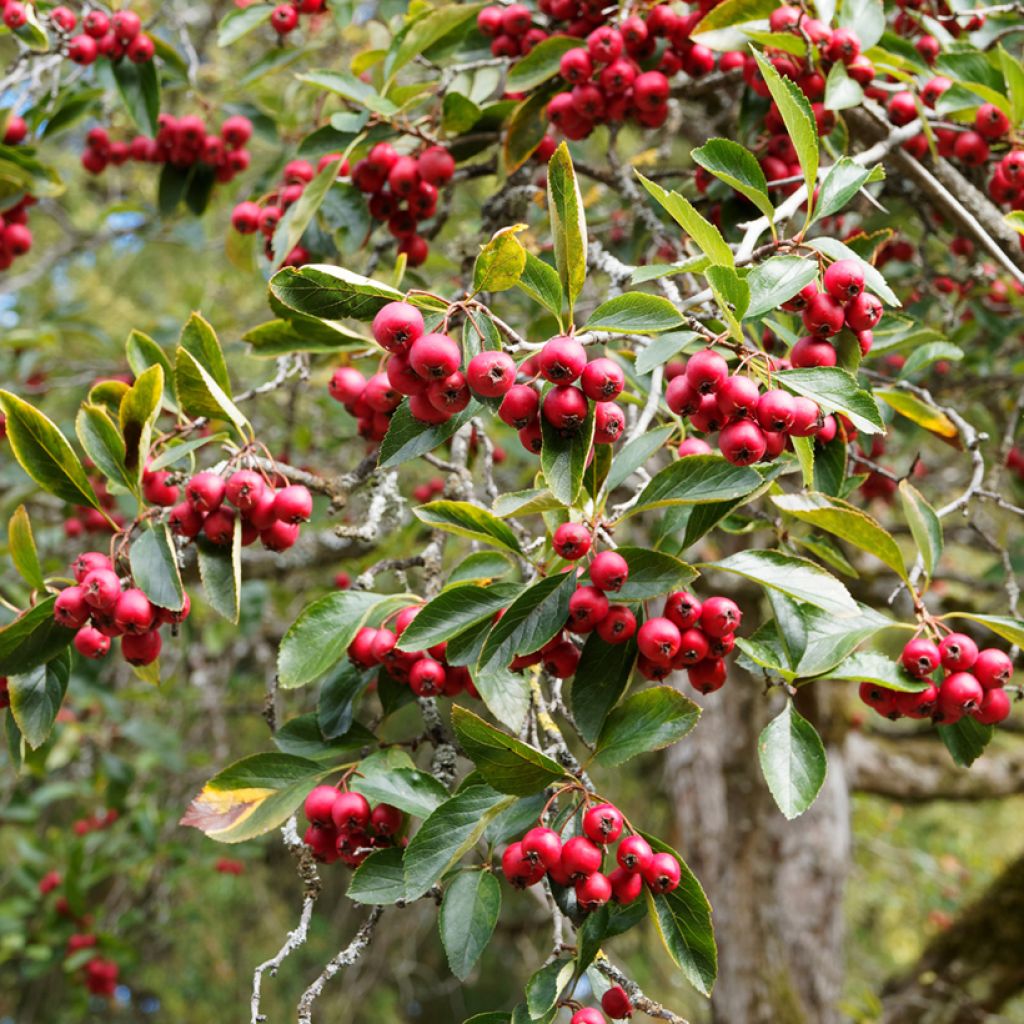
(592, 383)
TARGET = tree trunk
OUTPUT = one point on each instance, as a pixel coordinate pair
(776, 887)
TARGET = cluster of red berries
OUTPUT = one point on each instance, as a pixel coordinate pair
(250, 217)
(403, 191)
(272, 516)
(15, 234)
(910, 23)
(692, 635)
(343, 826)
(87, 519)
(426, 673)
(180, 141)
(577, 863)
(113, 36)
(972, 684)
(96, 822)
(100, 609)
(615, 1002)
(284, 18)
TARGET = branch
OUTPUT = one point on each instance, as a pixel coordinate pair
(636, 996)
(348, 956)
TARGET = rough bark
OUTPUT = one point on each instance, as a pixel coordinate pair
(971, 970)
(776, 886)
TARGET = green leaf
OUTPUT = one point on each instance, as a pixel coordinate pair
(846, 522)
(352, 88)
(139, 86)
(155, 568)
(37, 695)
(240, 22)
(866, 17)
(649, 720)
(568, 224)
(331, 293)
(525, 128)
(469, 912)
(300, 214)
(501, 262)
(252, 796)
(452, 611)
(635, 454)
(1013, 72)
(22, 546)
(458, 113)
(706, 236)
(541, 282)
(830, 639)
(777, 280)
(660, 350)
(841, 93)
(873, 280)
(798, 118)
(733, 12)
(697, 479)
(467, 520)
(738, 168)
(835, 390)
(220, 569)
(925, 525)
(541, 63)
(1007, 628)
(532, 619)
(302, 737)
(338, 694)
(103, 444)
(796, 577)
(563, 457)
(652, 574)
(176, 452)
(635, 313)
(318, 638)
(44, 453)
(143, 352)
(32, 639)
(380, 879)
(430, 29)
(601, 679)
(792, 760)
(966, 740)
(507, 764)
(924, 356)
(411, 791)
(407, 438)
(139, 410)
(200, 395)
(841, 184)
(526, 503)
(544, 988)
(683, 920)
(481, 567)
(871, 667)
(448, 834)
(283, 337)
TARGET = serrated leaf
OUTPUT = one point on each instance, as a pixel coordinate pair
(635, 313)
(468, 520)
(199, 394)
(241, 21)
(563, 457)
(697, 479)
(777, 280)
(541, 63)
(871, 667)
(22, 547)
(407, 438)
(792, 760)
(452, 611)
(601, 679)
(738, 168)
(469, 912)
(220, 569)
(37, 695)
(706, 236)
(380, 879)
(873, 280)
(841, 184)
(966, 740)
(103, 444)
(32, 639)
(568, 224)
(331, 293)
(155, 568)
(652, 719)
(651, 574)
(1001, 625)
(835, 390)
(540, 281)
(411, 791)
(925, 525)
(635, 454)
(501, 261)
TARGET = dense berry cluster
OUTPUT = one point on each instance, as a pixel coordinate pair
(101, 607)
(114, 36)
(577, 863)
(181, 142)
(427, 673)
(972, 683)
(344, 826)
(269, 515)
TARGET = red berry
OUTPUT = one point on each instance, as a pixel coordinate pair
(602, 380)
(994, 707)
(609, 422)
(682, 609)
(434, 356)
(576, 66)
(720, 616)
(565, 407)
(284, 18)
(658, 639)
(863, 313)
(426, 678)
(491, 374)
(96, 24)
(488, 21)
(542, 846)
(293, 504)
(83, 49)
(681, 396)
(618, 625)
(449, 395)
(219, 526)
(742, 443)
(959, 693)
(602, 824)
(605, 44)
(435, 165)
(992, 668)
(920, 657)
(518, 869)
(958, 652)
(91, 643)
(385, 820)
(812, 351)
(580, 858)
(70, 608)
(991, 122)
(650, 91)
(520, 406)
(133, 612)
(970, 148)
(350, 811)
(615, 1002)
(707, 676)
(319, 802)
(360, 650)
(844, 280)
(634, 854)
(205, 491)
(920, 704)
(141, 648)
(902, 109)
(141, 50)
(185, 520)
(824, 316)
(609, 571)
(706, 372)
(571, 541)
(101, 588)
(244, 489)
(562, 360)
(693, 648)
(662, 873)
(737, 396)
(593, 892)
(626, 885)
(561, 659)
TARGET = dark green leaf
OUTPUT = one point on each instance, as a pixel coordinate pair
(697, 479)
(408, 438)
(776, 281)
(966, 740)
(568, 224)
(452, 611)
(706, 236)
(651, 574)
(32, 639)
(220, 569)
(793, 761)
(835, 391)
(155, 568)
(649, 720)
(467, 520)
(469, 912)
(563, 457)
(338, 694)
(601, 679)
(380, 879)
(635, 313)
(541, 63)
(738, 168)
(37, 695)
(409, 790)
